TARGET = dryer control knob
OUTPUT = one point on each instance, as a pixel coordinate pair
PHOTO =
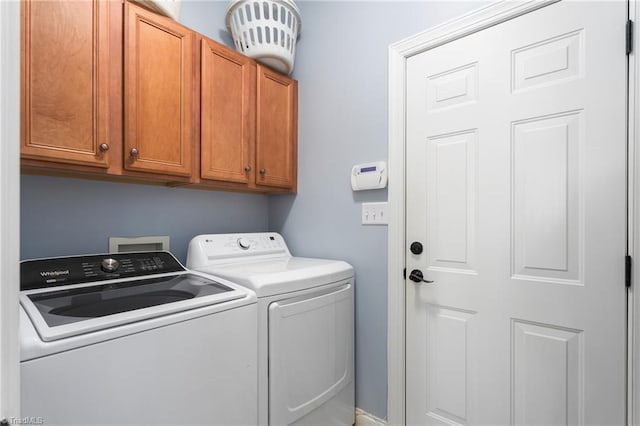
(243, 243)
(109, 265)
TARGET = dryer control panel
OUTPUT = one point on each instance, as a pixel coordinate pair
(219, 248)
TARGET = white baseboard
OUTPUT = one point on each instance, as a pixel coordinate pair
(365, 419)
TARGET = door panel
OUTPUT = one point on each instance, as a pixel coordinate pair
(158, 93)
(447, 361)
(546, 189)
(547, 363)
(227, 114)
(310, 353)
(65, 83)
(451, 190)
(516, 186)
(277, 130)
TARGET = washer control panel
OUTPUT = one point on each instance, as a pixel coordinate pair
(41, 273)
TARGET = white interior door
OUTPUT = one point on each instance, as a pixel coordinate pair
(516, 188)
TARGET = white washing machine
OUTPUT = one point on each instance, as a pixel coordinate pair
(305, 325)
(135, 339)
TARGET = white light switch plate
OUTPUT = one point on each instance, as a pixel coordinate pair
(374, 213)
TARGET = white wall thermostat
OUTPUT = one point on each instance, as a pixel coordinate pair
(369, 176)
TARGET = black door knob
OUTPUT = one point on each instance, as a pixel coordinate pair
(416, 247)
(417, 277)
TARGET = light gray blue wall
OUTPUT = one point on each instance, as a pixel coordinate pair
(341, 65)
(207, 17)
(62, 216)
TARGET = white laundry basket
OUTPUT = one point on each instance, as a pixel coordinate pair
(266, 30)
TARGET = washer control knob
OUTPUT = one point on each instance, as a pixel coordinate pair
(109, 264)
(243, 243)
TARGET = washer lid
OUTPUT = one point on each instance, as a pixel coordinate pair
(72, 310)
(283, 275)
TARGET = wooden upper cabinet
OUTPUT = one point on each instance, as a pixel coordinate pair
(110, 88)
(158, 101)
(277, 130)
(69, 75)
(227, 111)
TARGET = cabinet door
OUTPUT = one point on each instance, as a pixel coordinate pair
(65, 82)
(277, 132)
(227, 114)
(158, 98)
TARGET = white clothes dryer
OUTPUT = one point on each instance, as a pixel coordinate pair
(305, 325)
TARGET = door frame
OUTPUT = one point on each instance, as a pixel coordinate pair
(399, 53)
(633, 205)
(9, 209)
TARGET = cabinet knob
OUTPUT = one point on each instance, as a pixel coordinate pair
(263, 171)
(134, 152)
(104, 147)
(247, 169)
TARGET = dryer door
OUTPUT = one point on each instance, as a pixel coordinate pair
(311, 356)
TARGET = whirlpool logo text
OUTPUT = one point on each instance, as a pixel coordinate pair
(47, 274)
